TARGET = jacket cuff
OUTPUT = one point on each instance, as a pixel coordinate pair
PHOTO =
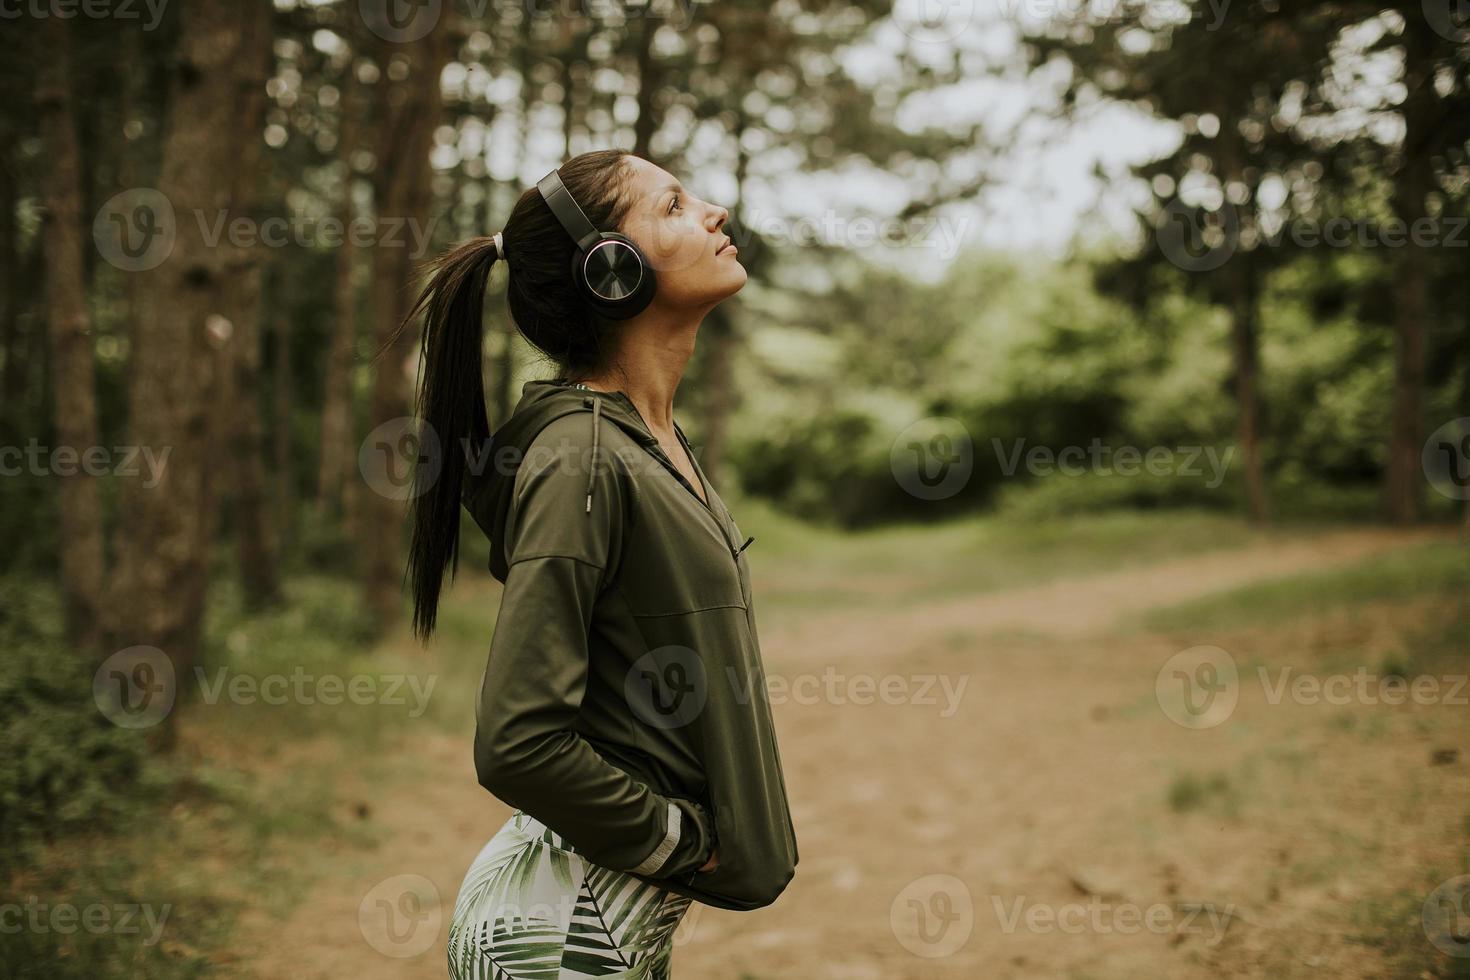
(693, 836)
(655, 861)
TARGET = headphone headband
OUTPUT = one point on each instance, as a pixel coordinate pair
(567, 210)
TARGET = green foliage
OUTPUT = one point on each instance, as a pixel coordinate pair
(1184, 481)
(1030, 354)
(1327, 375)
(86, 809)
(66, 767)
(29, 521)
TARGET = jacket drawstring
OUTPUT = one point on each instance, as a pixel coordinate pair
(596, 433)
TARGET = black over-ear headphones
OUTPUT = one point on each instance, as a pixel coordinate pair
(609, 270)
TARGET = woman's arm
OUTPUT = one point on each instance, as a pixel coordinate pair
(527, 751)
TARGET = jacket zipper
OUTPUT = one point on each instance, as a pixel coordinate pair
(657, 452)
(724, 535)
(669, 465)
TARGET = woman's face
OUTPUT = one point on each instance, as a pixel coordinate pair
(682, 237)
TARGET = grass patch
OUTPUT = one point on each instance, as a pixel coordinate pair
(309, 667)
(125, 862)
(1437, 568)
(162, 894)
(1399, 925)
(1215, 792)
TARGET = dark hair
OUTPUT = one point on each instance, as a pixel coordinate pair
(548, 311)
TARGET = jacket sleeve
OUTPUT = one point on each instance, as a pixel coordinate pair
(527, 749)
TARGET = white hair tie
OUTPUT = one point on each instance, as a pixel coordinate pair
(499, 247)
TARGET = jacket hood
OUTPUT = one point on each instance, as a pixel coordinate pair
(489, 483)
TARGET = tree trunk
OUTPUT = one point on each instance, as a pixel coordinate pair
(409, 111)
(72, 355)
(1241, 285)
(338, 446)
(1403, 477)
(1244, 329)
(281, 386)
(648, 83)
(30, 384)
(1403, 474)
(574, 73)
(719, 391)
(255, 534)
(10, 284)
(163, 561)
(719, 327)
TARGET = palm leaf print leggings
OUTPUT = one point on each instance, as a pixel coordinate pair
(532, 909)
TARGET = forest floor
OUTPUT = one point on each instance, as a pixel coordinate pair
(1023, 802)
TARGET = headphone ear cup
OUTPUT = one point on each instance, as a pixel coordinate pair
(614, 276)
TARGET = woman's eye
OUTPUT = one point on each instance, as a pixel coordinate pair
(674, 204)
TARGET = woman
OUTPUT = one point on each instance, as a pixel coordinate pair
(623, 710)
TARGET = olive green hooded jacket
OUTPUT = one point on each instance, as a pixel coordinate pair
(624, 703)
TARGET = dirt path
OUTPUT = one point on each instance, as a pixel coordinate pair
(1070, 607)
(1036, 780)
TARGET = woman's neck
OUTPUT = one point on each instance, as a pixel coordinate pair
(648, 369)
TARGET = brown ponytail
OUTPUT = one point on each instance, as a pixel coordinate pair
(547, 310)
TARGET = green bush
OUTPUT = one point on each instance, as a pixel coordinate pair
(66, 767)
